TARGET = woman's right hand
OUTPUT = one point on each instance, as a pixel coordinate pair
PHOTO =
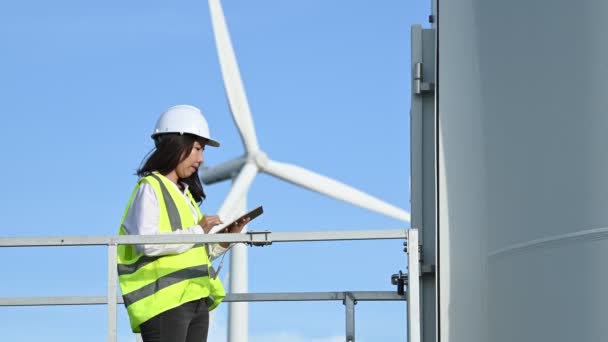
(208, 222)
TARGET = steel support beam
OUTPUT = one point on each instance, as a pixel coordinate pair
(349, 303)
(112, 292)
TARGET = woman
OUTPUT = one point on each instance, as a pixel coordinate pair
(168, 289)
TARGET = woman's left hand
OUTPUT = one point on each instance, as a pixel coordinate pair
(235, 230)
(238, 227)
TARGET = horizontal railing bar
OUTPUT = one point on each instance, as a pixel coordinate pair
(314, 296)
(250, 237)
(231, 297)
(49, 301)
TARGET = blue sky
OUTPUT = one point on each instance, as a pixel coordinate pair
(82, 85)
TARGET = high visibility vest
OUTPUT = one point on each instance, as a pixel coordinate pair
(154, 284)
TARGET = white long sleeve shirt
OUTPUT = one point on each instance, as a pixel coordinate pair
(143, 219)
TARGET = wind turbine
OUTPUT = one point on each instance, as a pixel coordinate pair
(242, 171)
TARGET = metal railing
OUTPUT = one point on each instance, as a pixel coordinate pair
(412, 295)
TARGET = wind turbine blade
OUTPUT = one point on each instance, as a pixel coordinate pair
(232, 78)
(332, 188)
(238, 191)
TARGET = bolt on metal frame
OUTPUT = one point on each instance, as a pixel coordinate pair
(349, 299)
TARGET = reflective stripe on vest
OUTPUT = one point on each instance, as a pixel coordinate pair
(124, 269)
(162, 282)
(174, 218)
(154, 284)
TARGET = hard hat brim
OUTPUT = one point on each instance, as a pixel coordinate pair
(209, 142)
(212, 142)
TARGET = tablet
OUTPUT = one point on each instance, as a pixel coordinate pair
(251, 215)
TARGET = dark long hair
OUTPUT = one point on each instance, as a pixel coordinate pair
(171, 149)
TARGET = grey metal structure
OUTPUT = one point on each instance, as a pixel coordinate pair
(522, 170)
(423, 166)
(254, 239)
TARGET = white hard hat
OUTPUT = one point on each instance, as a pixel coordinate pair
(184, 119)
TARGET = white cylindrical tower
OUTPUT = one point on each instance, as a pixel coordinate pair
(522, 102)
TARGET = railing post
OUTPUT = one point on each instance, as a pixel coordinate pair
(413, 286)
(112, 291)
(349, 303)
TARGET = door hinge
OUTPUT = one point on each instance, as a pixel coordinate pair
(421, 87)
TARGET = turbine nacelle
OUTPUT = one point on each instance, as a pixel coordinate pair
(222, 172)
(230, 169)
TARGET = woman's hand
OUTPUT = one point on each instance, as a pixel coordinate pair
(208, 222)
(238, 226)
(235, 229)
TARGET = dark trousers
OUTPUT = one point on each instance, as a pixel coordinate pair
(188, 322)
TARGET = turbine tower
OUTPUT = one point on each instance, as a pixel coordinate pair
(242, 171)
